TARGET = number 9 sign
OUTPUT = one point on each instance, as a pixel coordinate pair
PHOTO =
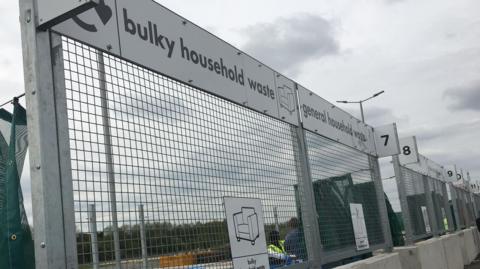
(450, 173)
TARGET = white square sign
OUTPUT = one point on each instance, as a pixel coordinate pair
(359, 227)
(426, 220)
(246, 233)
(386, 140)
(408, 150)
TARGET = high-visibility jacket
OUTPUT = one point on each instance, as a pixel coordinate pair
(277, 249)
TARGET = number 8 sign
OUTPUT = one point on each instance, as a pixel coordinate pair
(408, 150)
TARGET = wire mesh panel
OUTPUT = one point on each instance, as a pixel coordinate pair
(341, 176)
(141, 140)
(436, 190)
(417, 203)
(461, 206)
(468, 207)
(476, 199)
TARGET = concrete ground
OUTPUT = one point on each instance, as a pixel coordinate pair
(475, 264)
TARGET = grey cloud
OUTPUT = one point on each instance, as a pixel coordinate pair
(464, 98)
(286, 43)
(377, 116)
(427, 134)
(457, 144)
(394, 1)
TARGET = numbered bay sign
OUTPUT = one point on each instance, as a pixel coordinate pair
(386, 140)
(460, 174)
(450, 173)
(408, 150)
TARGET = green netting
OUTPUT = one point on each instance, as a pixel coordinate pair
(396, 225)
(415, 204)
(16, 244)
(333, 197)
(439, 209)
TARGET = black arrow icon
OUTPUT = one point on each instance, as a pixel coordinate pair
(103, 11)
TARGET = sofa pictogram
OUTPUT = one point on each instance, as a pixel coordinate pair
(246, 225)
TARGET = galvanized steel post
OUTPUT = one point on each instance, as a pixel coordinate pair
(430, 206)
(382, 206)
(108, 155)
(143, 236)
(53, 212)
(402, 195)
(309, 211)
(92, 222)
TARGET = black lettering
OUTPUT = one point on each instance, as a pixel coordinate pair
(194, 56)
(143, 36)
(241, 78)
(210, 64)
(253, 84)
(129, 24)
(236, 73)
(171, 46)
(231, 74)
(217, 67)
(204, 62)
(150, 31)
(184, 50)
(158, 38)
(224, 69)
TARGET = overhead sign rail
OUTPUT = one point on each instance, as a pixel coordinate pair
(151, 35)
(322, 117)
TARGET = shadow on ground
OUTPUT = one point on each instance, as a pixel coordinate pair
(475, 264)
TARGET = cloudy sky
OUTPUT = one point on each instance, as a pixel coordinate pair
(424, 54)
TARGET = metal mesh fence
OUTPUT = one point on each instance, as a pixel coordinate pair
(417, 203)
(436, 190)
(342, 176)
(149, 153)
(459, 197)
(476, 199)
(469, 207)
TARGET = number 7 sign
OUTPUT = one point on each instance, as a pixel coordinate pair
(386, 140)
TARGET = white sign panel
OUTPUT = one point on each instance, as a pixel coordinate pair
(97, 27)
(450, 172)
(150, 35)
(359, 227)
(408, 150)
(386, 140)
(321, 117)
(460, 174)
(426, 220)
(51, 12)
(246, 232)
(287, 100)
